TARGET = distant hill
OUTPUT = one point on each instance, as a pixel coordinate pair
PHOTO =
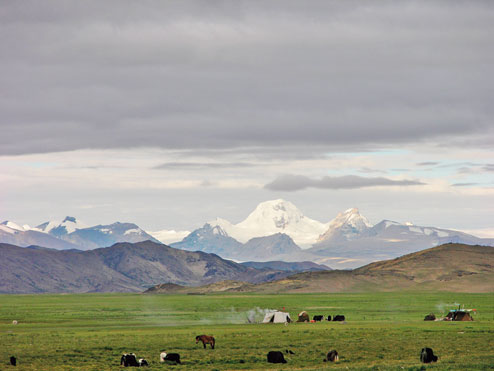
(288, 266)
(123, 267)
(449, 267)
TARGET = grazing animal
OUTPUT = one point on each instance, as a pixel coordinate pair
(427, 356)
(430, 317)
(13, 361)
(206, 339)
(332, 356)
(143, 362)
(339, 317)
(318, 318)
(329, 318)
(170, 357)
(289, 351)
(276, 357)
(129, 360)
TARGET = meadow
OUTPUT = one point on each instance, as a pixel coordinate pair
(383, 331)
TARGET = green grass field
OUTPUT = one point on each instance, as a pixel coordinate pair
(383, 331)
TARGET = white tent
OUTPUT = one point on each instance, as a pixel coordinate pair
(277, 317)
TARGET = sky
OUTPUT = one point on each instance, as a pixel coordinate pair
(169, 114)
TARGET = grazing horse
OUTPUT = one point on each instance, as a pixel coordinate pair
(206, 339)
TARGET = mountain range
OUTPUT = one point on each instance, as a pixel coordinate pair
(123, 267)
(71, 234)
(275, 230)
(449, 267)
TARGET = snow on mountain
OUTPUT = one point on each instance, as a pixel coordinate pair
(14, 226)
(60, 228)
(271, 217)
(347, 225)
(169, 236)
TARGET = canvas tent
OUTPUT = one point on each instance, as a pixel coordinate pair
(277, 317)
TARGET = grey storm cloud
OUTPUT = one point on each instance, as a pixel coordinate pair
(299, 182)
(194, 74)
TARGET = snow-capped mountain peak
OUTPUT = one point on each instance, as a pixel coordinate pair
(347, 225)
(58, 228)
(271, 217)
(14, 226)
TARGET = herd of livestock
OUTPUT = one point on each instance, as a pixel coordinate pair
(426, 355)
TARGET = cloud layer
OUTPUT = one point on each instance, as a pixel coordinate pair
(299, 182)
(185, 75)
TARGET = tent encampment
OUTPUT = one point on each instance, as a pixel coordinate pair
(277, 317)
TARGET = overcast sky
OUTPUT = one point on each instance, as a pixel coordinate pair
(168, 114)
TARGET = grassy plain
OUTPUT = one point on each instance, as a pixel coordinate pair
(384, 331)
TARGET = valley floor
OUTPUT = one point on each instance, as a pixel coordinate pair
(383, 331)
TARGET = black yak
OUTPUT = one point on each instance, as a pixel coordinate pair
(318, 318)
(13, 361)
(276, 357)
(332, 356)
(339, 317)
(427, 356)
(329, 318)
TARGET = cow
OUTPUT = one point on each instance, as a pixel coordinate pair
(143, 363)
(169, 357)
(276, 357)
(427, 356)
(206, 339)
(318, 318)
(129, 360)
(329, 318)
(13, 361)
(339, 317)
(332, 356)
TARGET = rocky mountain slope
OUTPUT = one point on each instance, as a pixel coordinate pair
(449, 267)
(123, 267)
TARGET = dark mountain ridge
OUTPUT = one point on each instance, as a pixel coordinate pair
(123, 267)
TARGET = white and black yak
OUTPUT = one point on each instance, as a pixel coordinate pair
(169, 357)
(276, 357)
(129, 360)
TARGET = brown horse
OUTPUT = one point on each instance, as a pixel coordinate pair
(206, 339)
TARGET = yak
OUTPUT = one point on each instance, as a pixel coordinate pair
(169, 357)
(276, 357)
(339, 317)
(329, 318)
(143, 363)
(129, 360)
(332, 356)
(13, 361)
(427, 356)
(318, 318)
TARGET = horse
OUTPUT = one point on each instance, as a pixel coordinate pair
(206, 339)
